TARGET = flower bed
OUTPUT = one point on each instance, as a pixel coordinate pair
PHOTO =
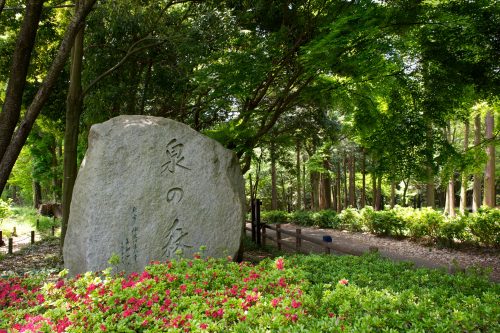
(292, 294)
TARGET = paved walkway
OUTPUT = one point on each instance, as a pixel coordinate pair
(355, 243)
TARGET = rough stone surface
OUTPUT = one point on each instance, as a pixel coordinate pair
(149, 187)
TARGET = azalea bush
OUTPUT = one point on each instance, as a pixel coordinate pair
(292, 294)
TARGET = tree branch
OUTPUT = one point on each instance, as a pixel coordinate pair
(131, 51)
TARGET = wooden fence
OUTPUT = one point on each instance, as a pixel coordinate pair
(10, 244)
(325, 243)
(260, 235)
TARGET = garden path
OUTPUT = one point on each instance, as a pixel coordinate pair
(422, 255)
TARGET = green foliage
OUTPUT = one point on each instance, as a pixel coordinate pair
(385, 222)
(274, 216)
(303, 218)
(326, 219)
(5, 209)
(288, 294)
(350, 219)
(426, 223)
(29, 216)
(485, 225)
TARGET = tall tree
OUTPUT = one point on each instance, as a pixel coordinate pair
(74, 106)
(478, 177)
(17, 139)
(489, 174)
(11, 109)
(465, 176)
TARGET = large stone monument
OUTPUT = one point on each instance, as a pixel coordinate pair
(148, 189)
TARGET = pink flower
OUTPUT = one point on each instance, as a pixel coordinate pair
(40, 298)
(295, 304)
(344, 282)
(203, 326)
(280, 264)
(275, 302)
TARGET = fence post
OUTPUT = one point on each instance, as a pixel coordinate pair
(252, 202)
(263, 234)
(10, 245)
(327, 239)
(53, 230)
(32, 237)
(278, 235)
(298, 240)
(37, 224)
(257, 221)
(1, 238)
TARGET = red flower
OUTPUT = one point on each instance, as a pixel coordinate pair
(203, 326)
(344, 282)
(40, 298)
(295, 304)
(280, 264)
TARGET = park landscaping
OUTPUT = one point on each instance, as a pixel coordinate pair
(285, 294)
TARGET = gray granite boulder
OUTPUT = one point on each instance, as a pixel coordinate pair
(148, 189)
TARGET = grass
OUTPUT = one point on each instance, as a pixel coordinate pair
(24, 219)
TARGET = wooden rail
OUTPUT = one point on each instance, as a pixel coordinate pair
(327, 247)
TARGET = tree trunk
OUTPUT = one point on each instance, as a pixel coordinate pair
(284, 201)
(430, 188)
(326, 185)
(53, 152)
(297, 171)
(11, 109)
(405, 190)
(489, 174)
(37, 194)
(352, 181)
(74, 106)
(465, 176)
(393, 194)
(2, 4)
(374, 187)
(315, 180)
(304, 184)
(476, 187)
(363, 185)
(451, 182)
(337, 186)
(451, 196)
(274, 192)
(379, 194)
(334, 196)
(346, 192)
(19, 138)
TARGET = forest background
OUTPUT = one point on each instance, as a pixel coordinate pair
(327, 104)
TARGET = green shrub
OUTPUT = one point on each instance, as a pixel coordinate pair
(274, 216)
(385, 222)
(485, 225)
(303, 218)
(326, 219)
(426, 223)
(5, 209)
(350, 219)
(455, 229)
